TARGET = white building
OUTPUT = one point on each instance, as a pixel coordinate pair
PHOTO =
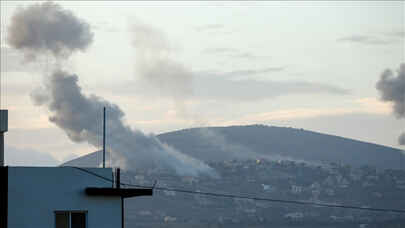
(295, 189)
(294, 215)
(62, 197)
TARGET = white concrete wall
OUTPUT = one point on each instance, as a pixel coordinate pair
(35, 193)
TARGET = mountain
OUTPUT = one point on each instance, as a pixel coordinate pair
(274, 143)
(236, 153)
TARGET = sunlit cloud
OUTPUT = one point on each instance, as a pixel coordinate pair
(374, 106)
(364, 105)
(209, 27)
(368, 40)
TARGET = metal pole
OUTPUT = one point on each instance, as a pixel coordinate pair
(104, 137)
(3, 129)
(118, 185)
(1, 149)
(118, 174)
(122, 212)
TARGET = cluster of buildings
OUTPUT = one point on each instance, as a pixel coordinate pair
(331, 184)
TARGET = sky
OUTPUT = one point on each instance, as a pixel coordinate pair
(311, 65)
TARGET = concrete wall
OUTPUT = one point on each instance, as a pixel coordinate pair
(35, 193)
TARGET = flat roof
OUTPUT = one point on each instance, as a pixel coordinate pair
(123, 192)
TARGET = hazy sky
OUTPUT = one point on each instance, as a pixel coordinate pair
(311, 65)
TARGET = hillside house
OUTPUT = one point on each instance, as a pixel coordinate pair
(295, 189)
(294, 215)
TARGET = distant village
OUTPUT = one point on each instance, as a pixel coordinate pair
(288, 180)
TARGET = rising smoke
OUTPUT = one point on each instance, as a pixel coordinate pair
(47, 28)
(401, 139)
(159, 73)
(392, 89)
(155, 67)
(77, 115)
(224, 149)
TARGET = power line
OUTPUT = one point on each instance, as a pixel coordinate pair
(281, 201)
(233, 196)
(91, 173)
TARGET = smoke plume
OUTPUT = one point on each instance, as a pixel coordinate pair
(224, 149)
(48, 28)
(401, 139)
(392, 89)
(154, 65)
(157, 72)
(80, 117)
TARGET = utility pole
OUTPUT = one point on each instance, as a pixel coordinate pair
(118, 186)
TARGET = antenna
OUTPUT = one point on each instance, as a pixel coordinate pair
(104, 137)
(3, 112)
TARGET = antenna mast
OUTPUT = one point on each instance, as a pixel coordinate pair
(3, 113)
